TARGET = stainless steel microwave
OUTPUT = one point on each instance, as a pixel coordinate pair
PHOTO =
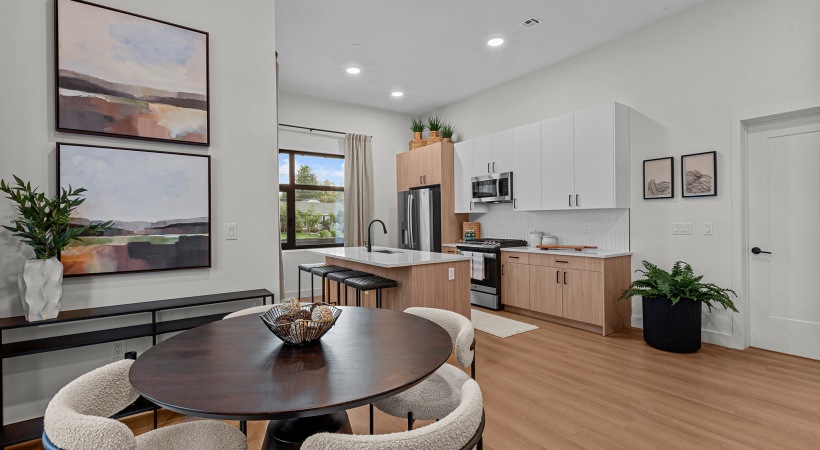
(493, 188)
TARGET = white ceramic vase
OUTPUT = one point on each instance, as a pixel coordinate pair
(41, 288)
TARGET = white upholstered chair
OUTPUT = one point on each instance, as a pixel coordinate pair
(437, 395)
(461, 429)
(77, 418)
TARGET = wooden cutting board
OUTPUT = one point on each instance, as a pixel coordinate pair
(577, 248)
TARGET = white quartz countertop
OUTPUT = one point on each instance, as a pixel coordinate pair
(401, 258)
(592, 253)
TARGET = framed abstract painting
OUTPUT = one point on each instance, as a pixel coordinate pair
(160, 203)
(658, 178)
(126, 75)
(699, 172)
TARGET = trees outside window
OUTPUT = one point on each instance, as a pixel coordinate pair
(311, 199)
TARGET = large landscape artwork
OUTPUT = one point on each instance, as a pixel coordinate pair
(130, 76)
(159, 202)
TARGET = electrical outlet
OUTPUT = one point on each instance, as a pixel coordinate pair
(118, 350)
(451, 273)
(586, 228)
(230, 231)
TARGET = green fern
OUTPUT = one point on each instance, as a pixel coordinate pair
(417, 125)
(44, 223)
(681, 283)
(447, 130)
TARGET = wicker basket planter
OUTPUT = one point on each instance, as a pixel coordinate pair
(417, 141)
(433, 138)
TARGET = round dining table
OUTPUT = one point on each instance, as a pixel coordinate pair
(236, 369)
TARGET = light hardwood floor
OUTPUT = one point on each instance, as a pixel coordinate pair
(559, 387)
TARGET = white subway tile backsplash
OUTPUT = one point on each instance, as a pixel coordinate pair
(608, 228)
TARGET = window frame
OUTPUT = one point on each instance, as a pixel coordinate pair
(290, 197)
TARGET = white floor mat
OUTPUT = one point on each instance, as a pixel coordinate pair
(499, 326)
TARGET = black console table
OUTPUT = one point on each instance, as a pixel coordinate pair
(27, 430)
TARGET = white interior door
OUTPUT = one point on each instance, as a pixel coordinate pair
(784, 206)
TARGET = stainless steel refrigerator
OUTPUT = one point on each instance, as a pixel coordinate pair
(420, 219)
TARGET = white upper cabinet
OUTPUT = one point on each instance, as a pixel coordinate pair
(463, 173)
(526, 169)
(503, 153)
(482, 155)
(602, 157)
(557, 163)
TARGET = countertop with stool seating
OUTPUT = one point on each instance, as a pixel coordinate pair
(423, 279)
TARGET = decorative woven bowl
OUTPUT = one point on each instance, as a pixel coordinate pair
(298, 331)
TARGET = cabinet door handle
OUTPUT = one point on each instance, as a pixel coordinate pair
(514, 205)
(502, 269)
(488, 168)
(565, 278)
(493, 166)
(471, 206)
(513, 257)
(577, 200)
(570, 200)
(557, 273)
(419, 179)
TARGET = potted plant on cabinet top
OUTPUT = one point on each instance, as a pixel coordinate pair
(447, 131)
(44, 225)
(672, 305)
(418, 126)
(434, 124)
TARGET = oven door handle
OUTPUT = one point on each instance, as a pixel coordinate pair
(485, 255)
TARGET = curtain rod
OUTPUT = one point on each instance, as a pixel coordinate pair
(313, 129)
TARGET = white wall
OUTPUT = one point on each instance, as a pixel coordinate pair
(243, 151)
(684, 77)
(391, 133)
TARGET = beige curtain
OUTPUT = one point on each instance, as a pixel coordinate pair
(279, 241)
(358, 188)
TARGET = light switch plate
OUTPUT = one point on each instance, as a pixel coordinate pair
(230, 231)
(708, 229)
(682, 228)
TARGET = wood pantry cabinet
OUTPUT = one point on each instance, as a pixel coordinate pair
(433, 165)
(573, 290)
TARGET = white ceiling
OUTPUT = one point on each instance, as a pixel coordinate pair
(436, 51)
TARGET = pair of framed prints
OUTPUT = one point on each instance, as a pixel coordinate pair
(698, 172)
(119, 74)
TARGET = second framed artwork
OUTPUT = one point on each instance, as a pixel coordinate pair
(160, 204)
(126, 75)
(699, 172)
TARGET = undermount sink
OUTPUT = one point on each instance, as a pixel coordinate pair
(389, 252)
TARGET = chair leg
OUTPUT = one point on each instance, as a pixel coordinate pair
(410, 421)
(358, 297)
(312, 294)
(480, 445)
(378, 298)
(299, 285)
(371, 418)
(243, 427)
(323, 290)
(339, 294)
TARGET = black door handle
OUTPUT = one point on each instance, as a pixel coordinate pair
(757, 251)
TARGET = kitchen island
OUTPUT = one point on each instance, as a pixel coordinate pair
(426, 279)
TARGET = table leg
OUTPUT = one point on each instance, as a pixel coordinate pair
(289, 434)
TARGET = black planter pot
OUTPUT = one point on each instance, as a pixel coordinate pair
(672, 328)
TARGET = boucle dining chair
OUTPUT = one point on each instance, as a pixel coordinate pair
(460, 430)
(77, 418)
(437, 395)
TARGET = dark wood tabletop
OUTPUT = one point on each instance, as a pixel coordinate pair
(237, 369)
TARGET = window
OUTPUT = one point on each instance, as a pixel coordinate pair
(311, 199)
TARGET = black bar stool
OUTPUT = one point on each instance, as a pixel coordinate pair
(324, 271)
(340, 277)
(370, 284)
(307, 268)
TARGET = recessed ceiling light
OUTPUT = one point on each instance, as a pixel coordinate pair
(397, 94)
(353, 70)
(495, 42)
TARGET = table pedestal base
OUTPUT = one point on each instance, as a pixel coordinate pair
(289, 434)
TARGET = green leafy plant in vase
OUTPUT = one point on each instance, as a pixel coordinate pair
(447, 131)
(44, 224)
(673, 303)
(418, 126)
(434, 124)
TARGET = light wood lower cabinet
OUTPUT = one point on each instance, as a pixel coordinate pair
(575, 291)
(515, 285)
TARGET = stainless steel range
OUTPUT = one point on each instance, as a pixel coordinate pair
(485, 282)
